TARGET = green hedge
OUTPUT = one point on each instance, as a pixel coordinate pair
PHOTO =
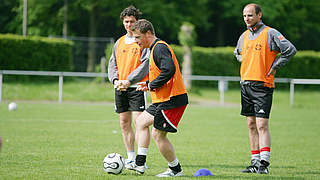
(304, 65)
(220, 61)
(35, 53)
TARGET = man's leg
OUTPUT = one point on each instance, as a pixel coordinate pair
(264, 134)
(143, 122)
(254, 145)
(264, 143)
(166, 149)
(163, 144)
(128, 138)
(142, 127)
(253, 133)
(135, 115)
(127, 131)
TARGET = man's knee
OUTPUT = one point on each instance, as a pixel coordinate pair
(252, 125)
(125, 124)
(262, 125)
(157, 134)
(144, 120)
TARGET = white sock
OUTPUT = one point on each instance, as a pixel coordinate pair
(142, 151)
(255, 156)
(131, 155)
(173, 163)
(265, 155)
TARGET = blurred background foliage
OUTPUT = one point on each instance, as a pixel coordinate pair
(217, 23)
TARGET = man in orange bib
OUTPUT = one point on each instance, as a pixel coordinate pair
(127, 66)
(257, 49)
(169, 99)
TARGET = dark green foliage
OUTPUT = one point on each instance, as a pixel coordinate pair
(35, 53)
(217, 22)
(108, 52)
(220, 61)
(304, 65)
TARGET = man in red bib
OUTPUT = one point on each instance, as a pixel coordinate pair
(169, 99)
(257, 49)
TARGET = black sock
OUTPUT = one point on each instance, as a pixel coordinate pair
(176, 168)
(141, 160)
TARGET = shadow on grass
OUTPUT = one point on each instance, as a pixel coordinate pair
(310, 172)
(283, 167)
(240, 176)
(211, 166)
(255, 176)
(236, 175)
(229, 166)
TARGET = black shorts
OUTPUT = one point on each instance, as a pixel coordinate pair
(166, 119)
(130, 100)
(256, 99)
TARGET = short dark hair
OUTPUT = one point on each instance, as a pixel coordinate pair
(256, 7)
(143, 26)
(130, 11)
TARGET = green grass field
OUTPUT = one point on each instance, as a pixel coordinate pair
(44, 139)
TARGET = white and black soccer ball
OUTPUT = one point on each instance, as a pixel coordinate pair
(113, 163)
(12, 106)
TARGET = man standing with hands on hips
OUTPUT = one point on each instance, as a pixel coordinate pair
(257, 49)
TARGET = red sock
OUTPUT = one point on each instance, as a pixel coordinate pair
(265, 149)
(255, 154)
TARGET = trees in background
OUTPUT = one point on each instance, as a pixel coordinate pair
(217, 23)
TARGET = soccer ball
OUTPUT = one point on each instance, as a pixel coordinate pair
(12, 106)
(113, 163)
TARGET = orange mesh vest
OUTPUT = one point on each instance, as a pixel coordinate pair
(128, 58)
(173, 87)
(257, 58)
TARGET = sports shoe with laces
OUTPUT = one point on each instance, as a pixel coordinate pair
(129, 164)
(170, 173)
(140, 169)
(253, 168)
(263, 168)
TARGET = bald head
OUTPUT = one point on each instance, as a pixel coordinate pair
(252, 14)
(255, 6)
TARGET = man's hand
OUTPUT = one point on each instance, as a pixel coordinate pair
(120, 85)
(142, 86)
(125, 84)
(116, 84)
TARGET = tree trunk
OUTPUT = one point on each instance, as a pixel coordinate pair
(186, 39)
(92, 43)
(25, 17)
(65, 19)
(220, 34)
(186, 67)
